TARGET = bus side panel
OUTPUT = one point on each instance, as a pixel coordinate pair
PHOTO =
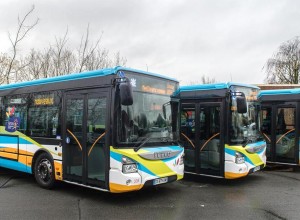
(17, 151)
(15, 165)
(252, 160)
(10, 148)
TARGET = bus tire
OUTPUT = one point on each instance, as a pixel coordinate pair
(44, 171)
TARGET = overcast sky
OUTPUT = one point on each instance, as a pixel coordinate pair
(228, 40)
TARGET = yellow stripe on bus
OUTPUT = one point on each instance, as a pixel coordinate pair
(230, 175)
(118, 188)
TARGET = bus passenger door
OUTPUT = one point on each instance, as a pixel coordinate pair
(187, 136)
(286, 150)
(211, 145)
(84, 133)
(266, 130)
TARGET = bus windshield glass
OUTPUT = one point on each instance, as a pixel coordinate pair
(149, 119)
(245, 127)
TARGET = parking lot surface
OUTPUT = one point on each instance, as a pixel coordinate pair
(268, 194)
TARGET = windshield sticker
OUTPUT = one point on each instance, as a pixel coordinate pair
(121, 74)
(13, 122)
(133, 82)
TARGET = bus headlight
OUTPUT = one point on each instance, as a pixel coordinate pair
(239, 158)
(128, 165)
(129, 168)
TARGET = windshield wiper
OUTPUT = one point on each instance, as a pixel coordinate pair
(142, 144)
(162, 139)
(250, 139)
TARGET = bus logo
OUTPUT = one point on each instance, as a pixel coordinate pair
(159, 155)
(133, 82)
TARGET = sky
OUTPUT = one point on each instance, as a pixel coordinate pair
(225, 40)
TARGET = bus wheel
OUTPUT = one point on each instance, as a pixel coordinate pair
(44, 171)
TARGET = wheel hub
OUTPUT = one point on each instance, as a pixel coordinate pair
(44, 169)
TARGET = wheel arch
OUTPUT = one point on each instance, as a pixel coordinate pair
(37, 153)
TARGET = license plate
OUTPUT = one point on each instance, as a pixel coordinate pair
(256, 169)
(160, 181)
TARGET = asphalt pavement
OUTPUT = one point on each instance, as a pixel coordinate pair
(268, 194)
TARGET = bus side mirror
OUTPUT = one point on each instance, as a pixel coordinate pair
(164, 109)
(126, 95)
(241, 104)
(164, 112)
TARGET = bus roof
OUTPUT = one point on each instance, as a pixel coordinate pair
(76, 76)
(213, 86)
(279, 92)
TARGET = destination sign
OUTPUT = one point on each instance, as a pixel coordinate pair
(151, 84)
(44, 99)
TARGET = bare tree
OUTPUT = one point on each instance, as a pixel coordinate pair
(4, 62)
(283, 67)
(57, 59)
(21, 33)
(86, 52)
(58, 53)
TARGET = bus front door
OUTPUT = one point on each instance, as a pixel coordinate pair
(84, 145)
(187, 136)
(210, 142)
(280, 131)
(200, 132)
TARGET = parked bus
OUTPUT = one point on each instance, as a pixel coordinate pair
(108, 129)
(220, 129)
(280, 125)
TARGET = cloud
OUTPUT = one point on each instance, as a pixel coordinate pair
(226, 40)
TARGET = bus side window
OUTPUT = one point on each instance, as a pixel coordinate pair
(44, 115)
(15, 109)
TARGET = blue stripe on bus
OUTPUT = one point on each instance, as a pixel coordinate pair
(145, 169)
(12, 140)
(230, 152)
(144, 72)
(11, 164)
(279, 92)
(69, 77)
(77, 76)
(159, 149)
(210, 87)
(117, 157)
(248, 160)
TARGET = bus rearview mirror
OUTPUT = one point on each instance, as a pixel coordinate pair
(164, 112)
(241, 104)
(126, 95)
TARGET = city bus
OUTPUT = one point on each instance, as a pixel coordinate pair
(108, 129)
(281, 111)
(220, 129)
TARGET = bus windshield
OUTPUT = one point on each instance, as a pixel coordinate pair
(145, 120)
(245, 127)
(148, 120)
